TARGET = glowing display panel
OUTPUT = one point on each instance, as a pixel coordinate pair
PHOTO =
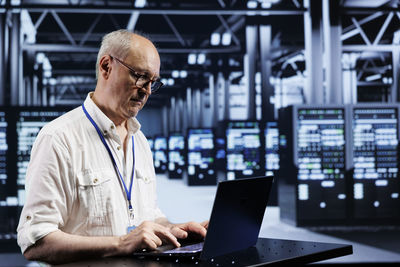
(201, 156)
(160, 154)
(243, 154)
(375, 143)
(176, 159)
(321, 189)
(271, 134)
(376, 162)
(321, 144)
(3, 148)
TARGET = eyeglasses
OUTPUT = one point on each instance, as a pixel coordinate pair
(142, 81)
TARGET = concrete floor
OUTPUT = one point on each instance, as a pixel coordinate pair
(182, 203)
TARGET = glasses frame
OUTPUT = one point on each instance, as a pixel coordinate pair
(138, 76)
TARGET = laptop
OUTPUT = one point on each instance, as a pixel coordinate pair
(235, 221)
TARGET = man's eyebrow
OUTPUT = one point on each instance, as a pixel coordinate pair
(156, 77)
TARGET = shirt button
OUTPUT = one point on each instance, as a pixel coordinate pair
(118, 147)
(28, 217)
(95, 180)
(146, 180)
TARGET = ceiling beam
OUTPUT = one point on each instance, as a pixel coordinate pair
(63, 27)
(228, 29)
(351, 30)
(92, 49)
(367, 10)
(90, 30)
(361, 31)
(363, 48)
(169, 11)
(132, 21)
(174, 29)
(97, 36)
(40, 19)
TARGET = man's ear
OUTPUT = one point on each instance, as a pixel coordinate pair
(105, 67)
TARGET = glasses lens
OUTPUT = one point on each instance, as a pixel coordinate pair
(156, 85)
(141, 81)
(144, 83)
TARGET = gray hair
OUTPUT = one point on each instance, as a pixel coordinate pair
(117, 44)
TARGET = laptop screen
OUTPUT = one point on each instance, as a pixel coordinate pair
(237, 215)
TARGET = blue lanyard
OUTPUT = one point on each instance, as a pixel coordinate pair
(128, 192)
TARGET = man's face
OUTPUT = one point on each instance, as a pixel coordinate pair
(128, 99)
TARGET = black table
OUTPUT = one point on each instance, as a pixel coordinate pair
(266, 252)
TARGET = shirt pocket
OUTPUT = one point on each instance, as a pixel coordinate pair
(144, 177)
(94, 188)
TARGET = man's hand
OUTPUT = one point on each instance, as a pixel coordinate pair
(205, 224)
(60, 247)
(191, 230)
(148, 235)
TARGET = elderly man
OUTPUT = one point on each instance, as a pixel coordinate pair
(91, 188)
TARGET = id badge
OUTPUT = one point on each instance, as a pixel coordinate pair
(131, 226)
(130, 229)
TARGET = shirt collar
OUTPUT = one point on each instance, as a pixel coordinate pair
(103, 122)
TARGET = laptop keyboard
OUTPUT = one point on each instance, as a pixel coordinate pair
(187, 249)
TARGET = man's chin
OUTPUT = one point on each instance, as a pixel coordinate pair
(133, 110)
(133, 113)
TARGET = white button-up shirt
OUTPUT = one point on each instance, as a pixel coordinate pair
(72, 185)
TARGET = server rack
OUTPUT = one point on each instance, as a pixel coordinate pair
(201, 169)
(375, 163)
(271, 138)
(176, 155)
(271, 135)
(244, 149)
(220, 154)
(19, 127)
(8, 187)
(160, 154)
(312, 177)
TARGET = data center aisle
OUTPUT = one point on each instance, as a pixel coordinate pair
(183, 203)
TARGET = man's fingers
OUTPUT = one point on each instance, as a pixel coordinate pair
(179, 233)
(205, 224)
(197, 228)
(151, 242)
(157, 241)
(193, 227)
(172, 239)
(152, 235)
(165, 234)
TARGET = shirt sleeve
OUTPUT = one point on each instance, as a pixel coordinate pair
(49, 191)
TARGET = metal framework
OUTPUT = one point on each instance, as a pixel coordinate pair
(369, 34)
(62, 40)
(68, 33)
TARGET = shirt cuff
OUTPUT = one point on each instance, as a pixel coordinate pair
(29, 234)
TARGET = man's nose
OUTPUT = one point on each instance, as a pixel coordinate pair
(145, 89)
